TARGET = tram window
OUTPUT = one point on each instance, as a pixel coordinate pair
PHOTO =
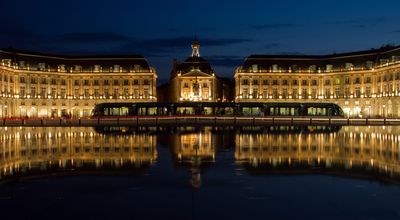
(185, 110)
(119, 111)
(316, 111)
(152, 111)
(142, 111)
(246, 111)
(208, 111)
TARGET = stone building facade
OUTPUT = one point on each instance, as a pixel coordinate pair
(43, 85)
(364, 84)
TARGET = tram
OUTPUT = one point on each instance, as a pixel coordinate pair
(217, 109)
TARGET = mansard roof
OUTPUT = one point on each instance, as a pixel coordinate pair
(359, 59)
(87, 62)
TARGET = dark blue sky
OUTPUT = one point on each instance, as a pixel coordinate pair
(228, 31)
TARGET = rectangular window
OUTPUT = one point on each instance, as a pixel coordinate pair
(327, 93)
(304, 82)
(284, 93)
(327, 82)
(275, 93)
(368, 91)
(146, 82)
(265, 82)
(314, 93)
(22, 92)
(245, 82)
(86, 82)
(295, 93)
(76, 93)
(96, 93)
(86, 93)
(314, 82)
(63, 93)
(304, 93)
(265, 93)
(255, 93)
(126, 82)
(33, 92)
(135, 82)
(43, 93)
(347, 92)
(126, 92)
(255, 82)
(53, 93)
(115, 82)
(337, 92)
(76, 82)
(105, 82)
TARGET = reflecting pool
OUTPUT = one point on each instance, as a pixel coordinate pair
(200, 172)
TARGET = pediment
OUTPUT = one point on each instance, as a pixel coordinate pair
(196, 73)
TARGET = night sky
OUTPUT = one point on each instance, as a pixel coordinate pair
(228, 31)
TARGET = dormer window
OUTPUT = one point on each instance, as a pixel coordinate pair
(61, 68)
(21, 64)
(254, 68)
(42, 66)
(136, 68)
(349, 66)
(329, 67)
(116, 68)
(6, 62)
(97, 68)
(370, 64)
(275, 68)
(78, 68)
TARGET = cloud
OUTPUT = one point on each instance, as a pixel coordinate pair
(271, 45)
(361, 22)
(273, 26)
(159, 47)
(92, 37)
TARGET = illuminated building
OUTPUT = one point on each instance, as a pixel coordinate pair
(194, 79)
(42, 85)
(365, 83)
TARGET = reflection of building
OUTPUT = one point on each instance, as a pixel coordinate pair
(194, 150)
(368, 148)
(40, 85)
(25, 149)
(194, 79)
(365, 83)
(190, 146)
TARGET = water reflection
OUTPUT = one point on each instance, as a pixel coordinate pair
(43, 149)
(368, 152)
(371, 152)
